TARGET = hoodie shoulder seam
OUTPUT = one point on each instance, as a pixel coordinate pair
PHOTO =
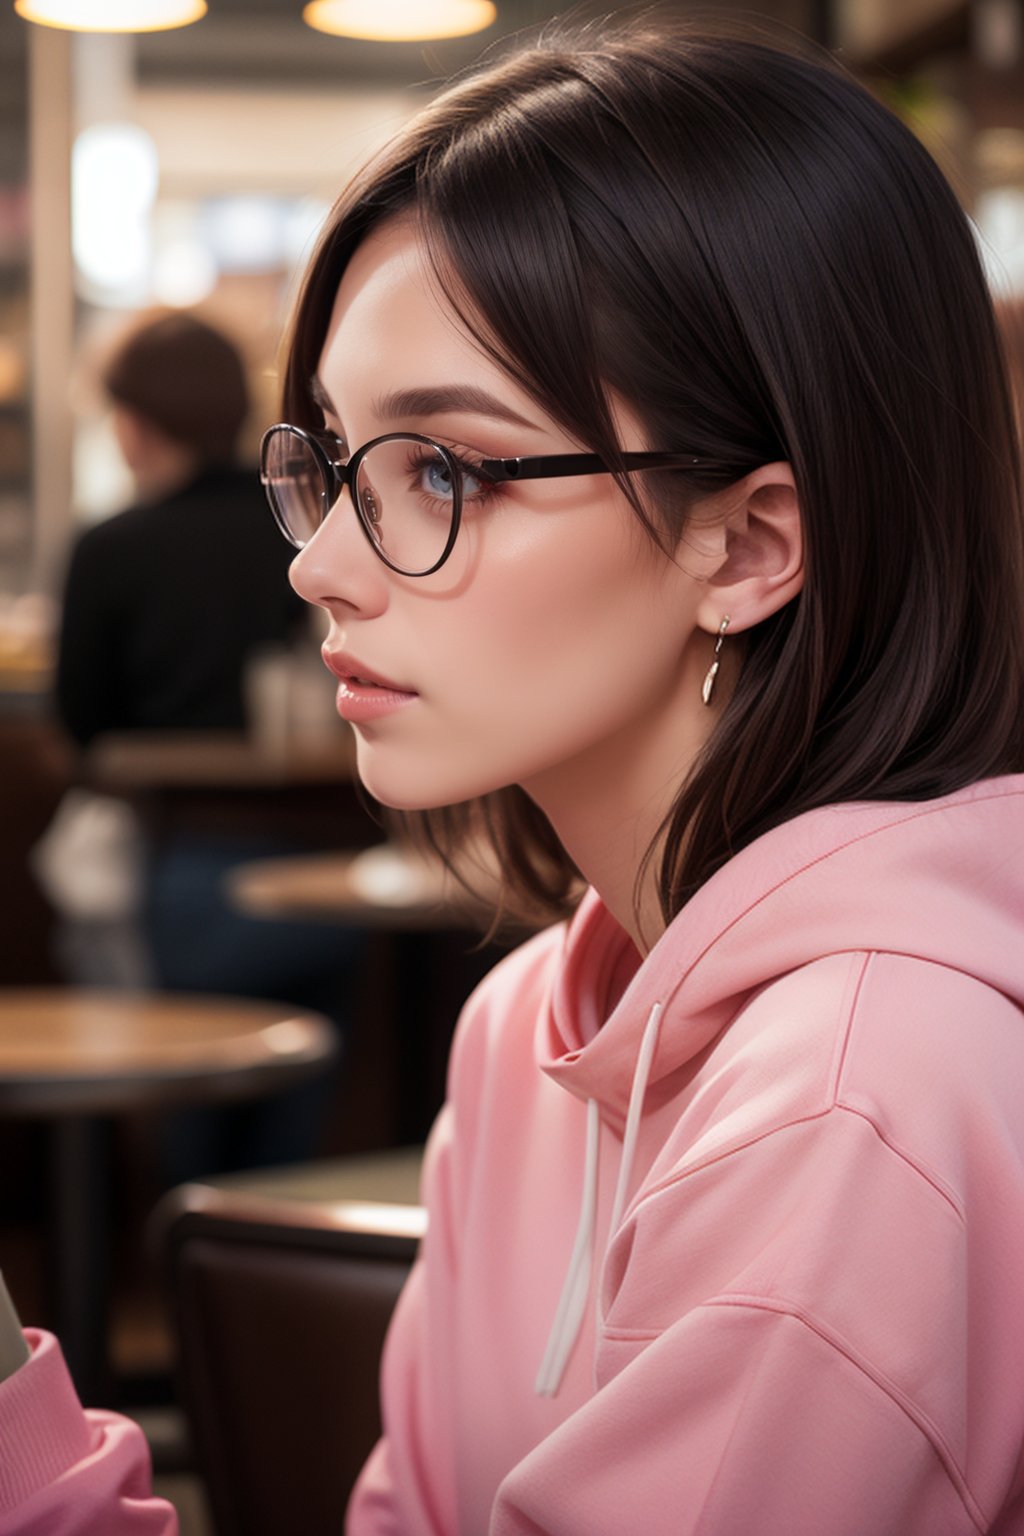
(930, 1178)
(922, 1421)
(680, 1176)
(784, 1310)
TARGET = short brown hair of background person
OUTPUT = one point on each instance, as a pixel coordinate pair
(185, 378)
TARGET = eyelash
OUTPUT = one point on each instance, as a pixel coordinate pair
(489, 491)
(336, 442)
(468, 459)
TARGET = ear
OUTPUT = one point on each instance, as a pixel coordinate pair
(763, 568)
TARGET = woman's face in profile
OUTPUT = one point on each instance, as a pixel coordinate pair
(552, 650)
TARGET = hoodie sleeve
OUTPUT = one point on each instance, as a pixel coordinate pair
(67, 1472)
(406, 1488)
(739, 1419)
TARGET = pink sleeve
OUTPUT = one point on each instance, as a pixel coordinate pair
(66, 1472)
(740, 1419)
(407, 1487)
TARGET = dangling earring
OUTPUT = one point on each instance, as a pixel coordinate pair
(708, 686)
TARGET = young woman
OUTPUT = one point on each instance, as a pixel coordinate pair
(649, 450)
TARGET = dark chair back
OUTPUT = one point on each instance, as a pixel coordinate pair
(281, 1307)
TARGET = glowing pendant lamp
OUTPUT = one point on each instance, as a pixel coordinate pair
(112, 15)
(399, 21)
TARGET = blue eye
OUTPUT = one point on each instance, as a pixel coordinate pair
(437, 481)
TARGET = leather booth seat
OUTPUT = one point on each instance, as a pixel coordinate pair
(281, 1290)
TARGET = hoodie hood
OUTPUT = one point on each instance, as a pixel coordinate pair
(942, 880)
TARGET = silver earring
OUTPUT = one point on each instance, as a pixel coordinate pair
(708, 686)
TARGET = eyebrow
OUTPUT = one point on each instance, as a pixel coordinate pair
(433, 400)
(448, 399)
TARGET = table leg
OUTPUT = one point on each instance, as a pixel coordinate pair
(414, 1004)
(436, 972)
(80, 1239)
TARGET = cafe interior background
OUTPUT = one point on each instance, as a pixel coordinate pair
(190, 167)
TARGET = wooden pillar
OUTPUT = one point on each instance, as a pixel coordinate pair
(52, 297)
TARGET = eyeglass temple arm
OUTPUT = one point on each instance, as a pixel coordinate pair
(553, 466)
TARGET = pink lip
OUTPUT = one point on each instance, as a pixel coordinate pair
(363, 694)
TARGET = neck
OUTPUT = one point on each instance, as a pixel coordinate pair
(615, 864)
(609, 848)
(610, 810)
(165, 472)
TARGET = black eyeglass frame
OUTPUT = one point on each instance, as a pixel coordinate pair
(338, 475)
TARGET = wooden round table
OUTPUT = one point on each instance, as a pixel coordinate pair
(144, 760)
(386, 886)
(429, 932)
(77, 1057)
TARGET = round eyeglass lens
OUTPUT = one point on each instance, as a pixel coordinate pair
(406, 498)
(295, 485)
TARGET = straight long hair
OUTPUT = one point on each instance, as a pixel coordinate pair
(765, 264)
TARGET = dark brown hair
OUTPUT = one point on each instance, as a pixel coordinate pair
(765, 264)
(185, 377)
(1010, 315)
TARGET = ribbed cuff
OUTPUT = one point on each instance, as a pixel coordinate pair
(43, 1430)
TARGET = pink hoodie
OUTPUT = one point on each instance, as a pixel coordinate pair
(791, 1145)
(796, 1302)
(68, 1473)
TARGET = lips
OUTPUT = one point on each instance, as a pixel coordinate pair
(348, 669)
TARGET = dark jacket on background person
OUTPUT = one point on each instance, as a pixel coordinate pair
(163, 605)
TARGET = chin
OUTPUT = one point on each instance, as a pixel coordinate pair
(418, 790)
(398, 801)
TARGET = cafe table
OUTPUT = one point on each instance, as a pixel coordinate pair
(137, 761)
(229, 787)
(76, 1058)
(387, 886)
(430, 931)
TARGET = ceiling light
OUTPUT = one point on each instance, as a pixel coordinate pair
(112, 15)
(398, 21)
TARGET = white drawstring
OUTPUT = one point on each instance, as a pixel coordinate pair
(641, 1073)
(573, 1300)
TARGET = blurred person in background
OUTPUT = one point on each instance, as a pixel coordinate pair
(166, 607)
(160, 615)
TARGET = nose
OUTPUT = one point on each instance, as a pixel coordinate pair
(337, 568)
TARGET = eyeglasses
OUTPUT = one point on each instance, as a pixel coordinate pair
(408, 491)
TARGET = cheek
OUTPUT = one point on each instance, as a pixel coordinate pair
(542, 648)
(556, 651)
(529, 614)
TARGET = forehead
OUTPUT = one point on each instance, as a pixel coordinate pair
(390, 316)
(394, 331)
(389, 266)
